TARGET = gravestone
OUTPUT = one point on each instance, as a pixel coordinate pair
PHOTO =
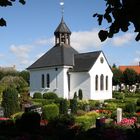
(119, 115)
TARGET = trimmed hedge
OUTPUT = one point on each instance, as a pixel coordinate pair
(37, 95)
(87, 121)
(50, 111)
(50, 95)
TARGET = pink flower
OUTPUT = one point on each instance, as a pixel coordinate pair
(127, 121)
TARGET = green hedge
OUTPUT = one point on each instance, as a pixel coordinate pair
(50, 95)
(50, 111)
(37, 95)
(87, 121)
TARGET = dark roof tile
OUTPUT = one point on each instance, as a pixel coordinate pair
(84, 61)
(59, 55)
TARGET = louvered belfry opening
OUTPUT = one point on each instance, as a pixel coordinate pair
(62, 33)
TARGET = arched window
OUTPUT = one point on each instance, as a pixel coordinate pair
(102, 82)
(47, 80)
(106, 82)
(42, 81)
(96, 82)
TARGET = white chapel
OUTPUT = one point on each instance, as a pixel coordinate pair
(64, 70)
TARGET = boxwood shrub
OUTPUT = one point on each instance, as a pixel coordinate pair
(50, 111)
(37, 95)
(50, 95)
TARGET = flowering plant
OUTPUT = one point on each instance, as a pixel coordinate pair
(127, 122)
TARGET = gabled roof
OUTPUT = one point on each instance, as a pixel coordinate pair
(84, 61)
(135, 68)
(59, 55)
(62, 28)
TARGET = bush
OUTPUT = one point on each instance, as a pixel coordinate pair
(47, 102)
(73, 106)
(118, 95)
(80, 112)
(10, 101)
(50, 111)
(138, 102)
(75, 95)
(83, 104)
(29, 121)
(63, 107)
(37, 95)
(65, 119)
(130, 107)
(50, 95)
(111, 106)
(84, 121)
(80, 94)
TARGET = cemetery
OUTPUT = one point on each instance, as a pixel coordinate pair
(51, 116)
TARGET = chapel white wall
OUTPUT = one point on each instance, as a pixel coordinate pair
(99, 69)
(58, 81)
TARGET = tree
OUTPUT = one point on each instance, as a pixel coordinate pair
(10, 101)
(129, 76)
(5, 3)
(25, 75)
(80, 94)
(15, 81)
(119, 14)
(117, 76)
(63, 107)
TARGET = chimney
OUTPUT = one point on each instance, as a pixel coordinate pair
(139, 63)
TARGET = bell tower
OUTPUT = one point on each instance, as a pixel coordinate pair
(62, 32)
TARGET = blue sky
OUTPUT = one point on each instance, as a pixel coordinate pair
(30, 32)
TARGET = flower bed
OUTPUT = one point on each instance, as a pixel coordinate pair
(127, 122)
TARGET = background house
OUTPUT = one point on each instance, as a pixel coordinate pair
(64, 71)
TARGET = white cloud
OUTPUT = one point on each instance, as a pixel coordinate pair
(44, 41)
(123, 39)
(20, 51)
(85, 40)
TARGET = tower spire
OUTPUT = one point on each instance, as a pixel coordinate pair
(62, 7)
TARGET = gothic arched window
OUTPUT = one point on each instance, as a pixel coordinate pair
(42, 81)
(106, 82)
(96, 82)
(47, 80)
(102, 82)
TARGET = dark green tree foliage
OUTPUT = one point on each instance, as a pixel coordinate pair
(138, 78)
(63, 107)
(130, 107)
(10, 101)
(4, 72)
(80, 94)
(119, 14)
(129, 76)
(25, 75)
(73, 106)
(5, 3)
(15, 81)
(117, 76)
(75, 95)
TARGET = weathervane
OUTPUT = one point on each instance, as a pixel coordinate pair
(62, 7)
